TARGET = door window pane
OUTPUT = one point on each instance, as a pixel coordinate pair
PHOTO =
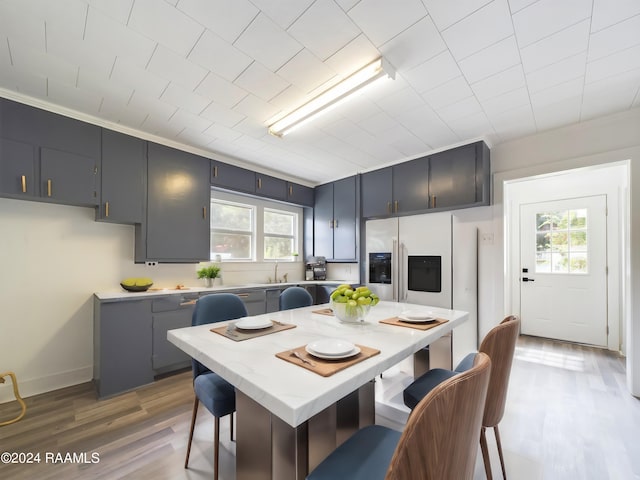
(562, 241)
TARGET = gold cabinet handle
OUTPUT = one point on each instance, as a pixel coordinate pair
(106, 209)
(388, 207)
(23, 182)
(204, 212)
(49, 187)
(259, 183)
(335, 224)
(433, 201)
(395, 206)
(215, 171)
(330, 223)
(290, 190)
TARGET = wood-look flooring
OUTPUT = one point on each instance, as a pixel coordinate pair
(569, 416)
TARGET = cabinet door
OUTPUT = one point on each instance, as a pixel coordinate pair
(68, 178)
(58, 132)
(323, 221)
(344, 213)
(178, 206)
(234, 178)
(377, 193)
(124, 164)
(166, 356)
(411, 186)
(271, 187)
(17, 169)
(299, 194)
(452, 177)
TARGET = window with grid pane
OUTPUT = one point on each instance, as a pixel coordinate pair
(279, 234)
(562, 241)
(232, 230)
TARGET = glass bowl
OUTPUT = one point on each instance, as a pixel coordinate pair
(348, 313)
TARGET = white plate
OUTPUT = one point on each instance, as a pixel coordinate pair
(331, 346)
(404, 318)
(417, 315)
(355, 351)
(252, 323)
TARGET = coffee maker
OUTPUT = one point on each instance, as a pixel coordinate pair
(316, 268)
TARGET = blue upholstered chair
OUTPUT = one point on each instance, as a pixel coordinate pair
(439, 441)
(295, 297)
(216, 394)
(499, 345)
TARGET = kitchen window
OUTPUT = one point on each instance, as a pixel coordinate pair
(248, 229)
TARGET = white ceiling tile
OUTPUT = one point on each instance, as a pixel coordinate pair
(220, 90)
(215, 54)
(560, 72)
(358, 108)
(546, 17)
(618, 63)
(166, 25)
(423, 122)
(555, 94)
(615, 38)
(564, 112)
(30, 30)
(306, 72)
(609, 12)
(223, 115)
(398, 103)
(464, 108)
(448, 93)
(471, 34)
(354, 55)
(195, 137)
(79, 52)
(283, 12)
(184, 99)
(63, 14)
(406, 142)
(103, 34)
(346, 4)
(260, 81)
(324, 29)
(378, 123)
(514, 123)
(122, 114)
(131, 75)
(111, 91)
(186, 119)
(119, 10)
(445, 12)
(167, 64)
(472, 126)
(417, 44)
(610, 95)
(226, 18)
(72, 97)
(37, 62)
(221, 132)
(251, 127)
(494, 59)
(143, 102)
(267, 43)
(23, 82)
(517, 5)
(433, 73)
(161, 128)
(554, 48)
(499, 84)
(256, 108)
(508, 101)
(381, 20)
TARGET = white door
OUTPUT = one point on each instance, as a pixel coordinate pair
(563, 289)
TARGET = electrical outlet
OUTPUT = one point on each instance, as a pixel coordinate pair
(151, 264)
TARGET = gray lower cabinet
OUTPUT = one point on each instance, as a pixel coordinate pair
(254, 300)
(124, 170)
(170, 312)
(177, 226)
(122, 346)
(273, 299)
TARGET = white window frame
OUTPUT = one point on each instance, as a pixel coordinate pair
(292, 236)
(251, 232)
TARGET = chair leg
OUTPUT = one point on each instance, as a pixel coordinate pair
(216, 446)
(499, 443)
(193, 424)
(485, 453)
(231, 427)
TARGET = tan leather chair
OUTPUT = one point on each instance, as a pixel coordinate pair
(499, 344)
(440, 440)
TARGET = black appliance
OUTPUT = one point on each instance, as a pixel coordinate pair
(380, 268)
(424, 273)
(316, 268)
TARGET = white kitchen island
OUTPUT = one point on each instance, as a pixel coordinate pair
(290, 418)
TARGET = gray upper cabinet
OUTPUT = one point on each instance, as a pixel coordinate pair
(299, 194)
(231, 177)
(335, 220)
(178, 199)
(271, 187)
(410, 186)
(377, 193)
(124, 166)
(68, 178)
(18, 169)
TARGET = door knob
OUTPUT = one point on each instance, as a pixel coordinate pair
(525, 279)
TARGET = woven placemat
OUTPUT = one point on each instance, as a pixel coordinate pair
(323, 367)
(238, 335)
(324, 311)
(418, 326)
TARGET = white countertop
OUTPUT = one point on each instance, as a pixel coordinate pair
(121, 294)
(293, 393)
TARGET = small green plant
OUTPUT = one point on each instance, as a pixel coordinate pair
(210, 271)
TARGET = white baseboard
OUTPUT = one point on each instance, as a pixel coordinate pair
(36, 386)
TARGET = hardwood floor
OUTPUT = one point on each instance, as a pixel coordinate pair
(569, 416)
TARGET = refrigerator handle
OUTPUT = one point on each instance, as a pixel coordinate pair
(402, 295)
(394, 271)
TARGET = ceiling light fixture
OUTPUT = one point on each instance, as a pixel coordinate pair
(354, 83)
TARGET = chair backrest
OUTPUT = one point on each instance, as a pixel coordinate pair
(500, 345)
(216, 307)
(440, 440)
(295, 297)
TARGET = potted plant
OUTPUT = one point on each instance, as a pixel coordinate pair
(209, 272)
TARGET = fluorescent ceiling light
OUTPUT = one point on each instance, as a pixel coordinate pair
(376, 70)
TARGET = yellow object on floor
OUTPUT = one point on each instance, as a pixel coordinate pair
(17, 395)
